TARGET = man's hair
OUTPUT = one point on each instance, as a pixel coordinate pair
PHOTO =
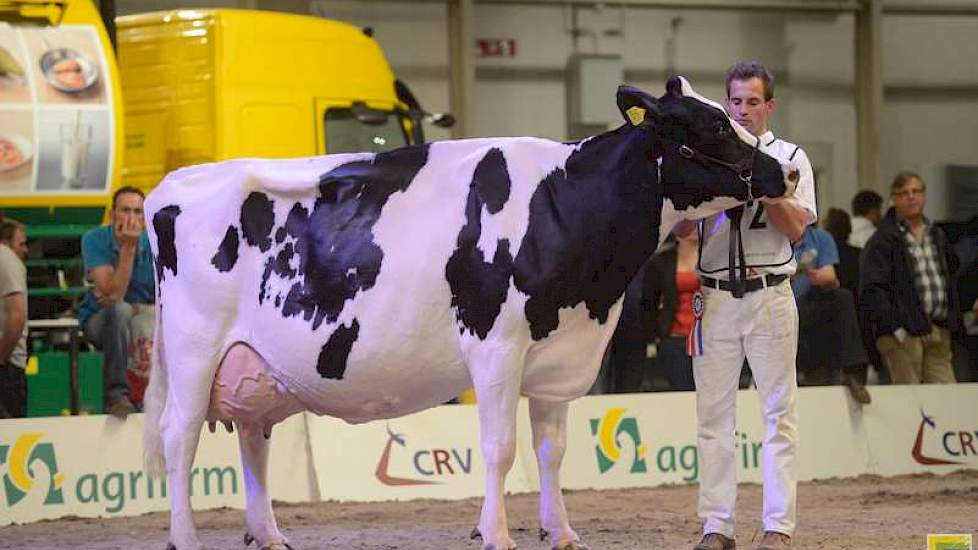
(126, 189)
(902, 178)
(8, 228)
(865, 202)
(746, 70)
(838, 224)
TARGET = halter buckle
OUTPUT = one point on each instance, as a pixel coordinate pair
(686, 152)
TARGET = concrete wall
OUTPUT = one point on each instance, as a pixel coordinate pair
(930, 71)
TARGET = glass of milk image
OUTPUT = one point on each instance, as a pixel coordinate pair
(76, 138)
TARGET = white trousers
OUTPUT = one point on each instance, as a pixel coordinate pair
(763, 326)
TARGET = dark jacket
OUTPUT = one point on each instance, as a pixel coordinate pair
(847, 270)
(660, 294)
(887, 290)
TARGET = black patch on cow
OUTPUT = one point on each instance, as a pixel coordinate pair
(257, 220)
(227, 252)
(164, 225)
(334, 241)
(591, 227)
(336, 350)
(263, 291)
(280, 235)
(479, 288)
(282, 259)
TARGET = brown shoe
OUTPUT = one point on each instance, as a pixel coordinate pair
(857, 390)
(774, 540)
(120, 409)
(715, 541)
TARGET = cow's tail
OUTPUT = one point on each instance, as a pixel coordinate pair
(154, 403)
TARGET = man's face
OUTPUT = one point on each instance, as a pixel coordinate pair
(18, 244)
(909, 200)
(128, 210)
(747, 106)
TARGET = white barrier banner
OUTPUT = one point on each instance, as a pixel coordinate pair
(92, 466)
(923, 429)
(430, 454)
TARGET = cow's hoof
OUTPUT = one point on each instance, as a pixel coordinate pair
(544, 534)
(475, 534)
(572, 545)
(494, 547)
(278, 546)
(170, 546)
(248, 539)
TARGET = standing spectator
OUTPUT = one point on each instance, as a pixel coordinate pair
(750, 311)
(828, 333)
(867, 211)
(908, 288)
(967, 251)
(13, 319)
(670, 285)
(118, 314)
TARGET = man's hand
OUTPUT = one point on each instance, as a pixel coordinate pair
(127, 232)
(823, 277)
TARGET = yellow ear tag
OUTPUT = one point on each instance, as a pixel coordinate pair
(636, 114)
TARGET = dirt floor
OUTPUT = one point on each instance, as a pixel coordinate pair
(867, 512)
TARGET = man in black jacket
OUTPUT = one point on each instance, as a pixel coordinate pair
(908, 288)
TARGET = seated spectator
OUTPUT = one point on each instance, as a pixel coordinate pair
(867, 211)
(908, 288)
(828, 333)
(13, 319)
(838, 225)
(624, 367)
(670, 285)
(118, 313)
(967, 252)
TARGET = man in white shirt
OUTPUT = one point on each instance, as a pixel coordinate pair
(867, 212)
(13, 319)
(750, 312)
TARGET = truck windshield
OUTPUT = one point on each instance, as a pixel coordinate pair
(356, 131)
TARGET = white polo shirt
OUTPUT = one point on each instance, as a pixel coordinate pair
(765, 249)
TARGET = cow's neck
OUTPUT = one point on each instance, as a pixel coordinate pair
(592, 226)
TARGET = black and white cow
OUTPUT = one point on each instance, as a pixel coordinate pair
(369, 286)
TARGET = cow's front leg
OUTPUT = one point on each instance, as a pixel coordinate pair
(549, 421)
(497, 423)
(259, 516)
(180, 438)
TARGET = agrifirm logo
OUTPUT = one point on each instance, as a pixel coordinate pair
(611, 430)
(430, 466)
(29, 472)
(616, 434)
(949, 542)
(957, 445)
(30, 465)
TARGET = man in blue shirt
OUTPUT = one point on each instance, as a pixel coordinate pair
(828, 332)
(118, 313)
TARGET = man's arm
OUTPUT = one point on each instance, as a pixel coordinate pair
(13, 326)
(111, 282)
(788, 219)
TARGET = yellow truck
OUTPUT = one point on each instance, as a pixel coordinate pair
(207, 85)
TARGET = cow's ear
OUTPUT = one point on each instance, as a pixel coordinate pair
(637, 107)
(674, 86)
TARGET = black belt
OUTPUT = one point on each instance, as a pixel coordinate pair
(750, 285)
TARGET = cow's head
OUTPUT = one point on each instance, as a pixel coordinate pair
(708, 162)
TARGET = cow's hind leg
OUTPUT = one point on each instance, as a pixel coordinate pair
(186, 407)
(262, 527)
(244, 392)
(497, 422)
(549, 421)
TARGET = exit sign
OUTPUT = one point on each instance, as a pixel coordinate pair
(496, 47)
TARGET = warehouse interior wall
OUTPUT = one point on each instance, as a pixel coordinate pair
(930, 109)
